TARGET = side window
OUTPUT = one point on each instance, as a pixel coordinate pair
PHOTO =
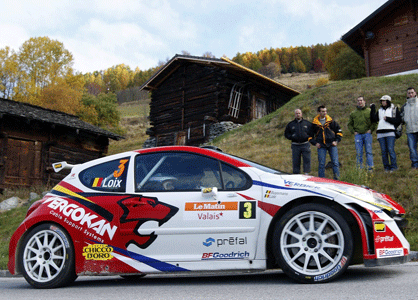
(109, 176)
(234, 179)
(171, 171)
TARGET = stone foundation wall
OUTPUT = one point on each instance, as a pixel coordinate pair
(215, 130)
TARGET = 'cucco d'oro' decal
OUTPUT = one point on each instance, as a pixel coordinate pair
(98, 252)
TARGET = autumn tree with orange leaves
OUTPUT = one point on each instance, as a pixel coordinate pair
(41, 73)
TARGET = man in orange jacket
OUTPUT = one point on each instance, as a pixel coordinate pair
(327, 135)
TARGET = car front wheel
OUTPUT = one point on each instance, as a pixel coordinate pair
(47, 257)
(313, 243)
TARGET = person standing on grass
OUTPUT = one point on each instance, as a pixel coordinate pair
(409, 113)
(388, 117)
(326, 136)
(299, 131)
(360, 124)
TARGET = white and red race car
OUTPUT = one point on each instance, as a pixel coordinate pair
(185, 209)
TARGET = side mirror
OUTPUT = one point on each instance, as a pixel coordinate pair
(208, 192)
(61, 165)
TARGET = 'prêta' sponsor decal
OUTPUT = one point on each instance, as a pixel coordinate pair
(382, 239)
(231, 241)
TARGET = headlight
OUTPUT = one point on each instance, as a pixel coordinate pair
(382, 202)
(365, 195)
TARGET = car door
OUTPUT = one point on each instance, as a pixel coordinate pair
(190, 207)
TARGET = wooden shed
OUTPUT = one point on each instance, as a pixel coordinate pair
(32, 138)
(190, 93)
(388, 39)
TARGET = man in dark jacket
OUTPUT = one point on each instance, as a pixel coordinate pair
(299, 131)
(327, 135)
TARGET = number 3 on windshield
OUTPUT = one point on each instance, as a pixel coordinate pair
(117, 173)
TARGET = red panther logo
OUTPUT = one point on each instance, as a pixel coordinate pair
(137, 211)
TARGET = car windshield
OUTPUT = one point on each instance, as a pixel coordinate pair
(255, 165)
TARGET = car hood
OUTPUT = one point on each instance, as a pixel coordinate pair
(332, 188)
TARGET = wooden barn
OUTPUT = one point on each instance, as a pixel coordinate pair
(388, 39)
(191, 93)
(32, 138)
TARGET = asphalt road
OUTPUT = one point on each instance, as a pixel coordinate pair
(390, 282)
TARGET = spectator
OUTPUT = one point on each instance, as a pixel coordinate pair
(388, 117)
(409, 113)
(299, 131)
(360, 124)
(327, 134)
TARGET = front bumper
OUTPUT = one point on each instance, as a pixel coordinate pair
(387, 261)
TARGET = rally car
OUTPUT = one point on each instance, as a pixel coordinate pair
(185, 209)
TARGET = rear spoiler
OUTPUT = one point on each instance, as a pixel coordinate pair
(61, 165)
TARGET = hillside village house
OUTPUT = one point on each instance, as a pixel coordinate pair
(190, 94)
(32, 138)
(388, 39)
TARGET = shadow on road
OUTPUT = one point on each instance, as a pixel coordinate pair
(357, 273)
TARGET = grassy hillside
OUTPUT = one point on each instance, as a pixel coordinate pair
(301, 81)
(134, 119)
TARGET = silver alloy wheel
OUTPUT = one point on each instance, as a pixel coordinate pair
(312, 243)
(44, 256)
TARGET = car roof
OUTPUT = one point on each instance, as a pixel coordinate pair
(198, 150)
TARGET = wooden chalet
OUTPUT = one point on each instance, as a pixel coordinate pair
(32, 138)
(388, 39)
(190, 93)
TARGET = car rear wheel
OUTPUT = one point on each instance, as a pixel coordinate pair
(313, 243)
(47, 257)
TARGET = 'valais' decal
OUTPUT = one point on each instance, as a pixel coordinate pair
(78, 214)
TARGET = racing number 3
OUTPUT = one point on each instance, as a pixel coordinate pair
(247, 210)
(117, 173)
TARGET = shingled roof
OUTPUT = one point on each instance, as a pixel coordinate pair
(223, 63)
(355, 37)
(32, 112)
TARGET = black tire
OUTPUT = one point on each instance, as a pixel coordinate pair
(46, 257)
(313, 254)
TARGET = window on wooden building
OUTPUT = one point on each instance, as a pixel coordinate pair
(401, 20)
(260, 108)
(235, 99)
(392, 53)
